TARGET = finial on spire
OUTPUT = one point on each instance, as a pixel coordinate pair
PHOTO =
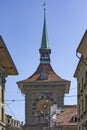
(45, 49)
(44, 6)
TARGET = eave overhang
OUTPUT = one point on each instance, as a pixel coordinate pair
(79, 66)
(22, 84)
(5, 59)
(65, 83)
(82, 49)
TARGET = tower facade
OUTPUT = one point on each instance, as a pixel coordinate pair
(43, 89)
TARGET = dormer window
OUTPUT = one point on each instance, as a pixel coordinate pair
(74, 119)
(44, 76)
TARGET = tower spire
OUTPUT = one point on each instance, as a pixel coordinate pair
(45, 48)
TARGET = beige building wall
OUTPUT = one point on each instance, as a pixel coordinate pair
(2, 87)
(82, 97)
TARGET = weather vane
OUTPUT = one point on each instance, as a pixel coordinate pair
(44, 5)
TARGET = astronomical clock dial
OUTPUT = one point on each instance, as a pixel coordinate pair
(42, 103)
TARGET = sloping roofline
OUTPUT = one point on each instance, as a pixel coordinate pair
(81, 44)
(5, 59)
(80, 50)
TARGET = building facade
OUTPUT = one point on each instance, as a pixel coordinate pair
(43, 89)
(81, 75)
(2, 88)
(12, 124)
(7, 68)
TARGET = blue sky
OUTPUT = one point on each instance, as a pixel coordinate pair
(21, 23)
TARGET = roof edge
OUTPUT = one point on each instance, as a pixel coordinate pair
(9, 56)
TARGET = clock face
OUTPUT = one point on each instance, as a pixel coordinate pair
(42, 104)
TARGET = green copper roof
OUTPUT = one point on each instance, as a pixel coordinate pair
(45, 49)
(44, 42)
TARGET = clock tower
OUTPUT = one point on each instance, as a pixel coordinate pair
(43, 89)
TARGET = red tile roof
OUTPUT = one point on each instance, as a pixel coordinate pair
(51, 77)
(66, 118)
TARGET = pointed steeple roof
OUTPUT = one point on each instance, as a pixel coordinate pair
(44, 75)
(45, 42)
(45, 48)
